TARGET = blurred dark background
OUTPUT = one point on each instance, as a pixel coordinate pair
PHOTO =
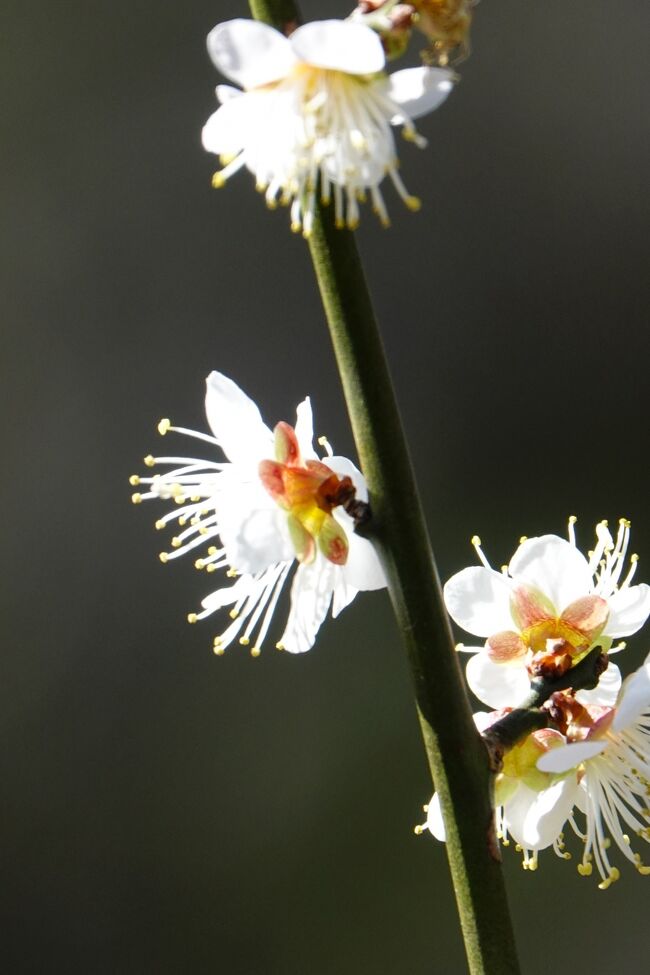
(164, 811)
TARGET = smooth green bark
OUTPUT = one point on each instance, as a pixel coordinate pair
(456, 754)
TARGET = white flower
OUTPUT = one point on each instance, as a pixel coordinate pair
(532, 806)
(545, 610)
(612, 766)
(272, 503)
(315, 107)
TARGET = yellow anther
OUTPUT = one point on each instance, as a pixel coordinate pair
(504, 569)
(199, 564)
(339, 223)
(182, 520)
(218, 180)
(524, 538)
(136, 498)
(227, 157)
(614, 875)
(195, 498)
(255, 651)
(572, 519)
(271, 203)
(634, 557)
(176, 542)
(475, 540)
(212, 550)
(296, 226)
(203, 530)
(160, 524)
(279, 646)
(164, 557)
(179, 498)
(414, 203)
(505, 841)
(219, 651)
(149, 460)
(641, 867)
(306, 233)
(164, 426)
(533, 864)
(418, 830)
(195, 520)
(134, 480)
(211, 568)
(233, 614)
(585, 869)
(460, 646)
(243, 640)
(425, 807)
(231, 573)
(192, 617)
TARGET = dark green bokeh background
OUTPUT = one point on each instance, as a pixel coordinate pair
(165, 811)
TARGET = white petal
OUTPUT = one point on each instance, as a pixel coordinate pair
(482, 720)
(250, 53)
(236, 421)
(419, 90)
(629, 608)
(435, 822)
(634, 698)
(554, 567)
(311, 595)
(227, 130)
(229, 594)
(225, 93)
(305, 429)
(253, 528)
(363, 569)
(535, 819)
(565, 757)
(606, 693)
(342, 596)
(478, 599)
(340, 46)
(497, 685)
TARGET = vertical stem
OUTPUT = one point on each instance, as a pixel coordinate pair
(456, 754)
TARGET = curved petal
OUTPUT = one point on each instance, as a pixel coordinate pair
(419, 91)
(363, 569)
(606, 693)
(478, 599)
(340, 46)
(311, 595)
(250, 53)
(225, 93)
(227, 131)
(435, 823)
(236, 421)
(343, 595)
(252, 527)
(565, 757)
(304, 429)
(554, 567)
(535, 819)
(497, 685)
(629, 608)
(634, 698)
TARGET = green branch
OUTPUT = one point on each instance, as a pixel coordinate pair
(456, 753)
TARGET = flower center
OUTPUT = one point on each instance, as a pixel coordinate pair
(308, 491)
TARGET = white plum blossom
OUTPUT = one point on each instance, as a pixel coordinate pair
(531, 806)
(269, 505)
(611, 763)
(545, 610)
(313, 112)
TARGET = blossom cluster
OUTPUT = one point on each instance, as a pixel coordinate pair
(589, 769)
(311, 115)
